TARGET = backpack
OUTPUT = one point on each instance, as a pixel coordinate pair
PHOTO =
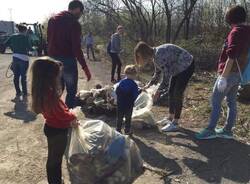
(109, 47)
(244, 90)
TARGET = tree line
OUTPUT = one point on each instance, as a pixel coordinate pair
(158, 20)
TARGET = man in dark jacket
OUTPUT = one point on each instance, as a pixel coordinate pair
(64, 44)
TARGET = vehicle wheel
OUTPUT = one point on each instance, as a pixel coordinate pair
(2, 49)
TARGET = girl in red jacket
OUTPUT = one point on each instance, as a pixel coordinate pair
(46, 92)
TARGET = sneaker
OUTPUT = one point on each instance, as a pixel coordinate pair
(222, 133)
(206, 134)
(170, 127)
(17, 98)
(164, 121)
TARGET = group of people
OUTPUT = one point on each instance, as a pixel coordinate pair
(50, 75)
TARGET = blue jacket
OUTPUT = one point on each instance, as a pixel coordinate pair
(89, 40)
(127, 92)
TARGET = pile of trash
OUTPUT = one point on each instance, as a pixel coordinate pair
(100, 155)
(101, 101)
(98, 101)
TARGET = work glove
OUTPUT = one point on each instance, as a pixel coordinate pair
(87, 73)
(222, 84)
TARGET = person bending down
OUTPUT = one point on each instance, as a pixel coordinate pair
(177, 66)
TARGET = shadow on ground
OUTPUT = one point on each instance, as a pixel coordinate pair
(21, 112)
(228, 159)
(210, 160)
(154, 158)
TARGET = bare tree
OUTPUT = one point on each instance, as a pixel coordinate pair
(186, 16)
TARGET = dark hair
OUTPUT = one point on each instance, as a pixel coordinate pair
(75, 4)
(21, 28)
(144, 50)
(119, 27)
(45, 86)
(235, 15)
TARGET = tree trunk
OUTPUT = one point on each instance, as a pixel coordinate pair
(169, 22)
(186, 36)
(187, 14)
(169, 29)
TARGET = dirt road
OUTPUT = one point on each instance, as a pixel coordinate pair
(23, 146)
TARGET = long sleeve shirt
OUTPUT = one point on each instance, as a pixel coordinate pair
(64, 37)
(235, 47)
(19, 44)
(115, 43)
(127, 92)
(59, 116)
(169, 60)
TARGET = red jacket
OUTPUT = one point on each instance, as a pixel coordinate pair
(237, 41)
(64, 37)
(59, 117)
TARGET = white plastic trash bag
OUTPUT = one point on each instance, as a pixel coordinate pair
(99, 154)
(142, 115)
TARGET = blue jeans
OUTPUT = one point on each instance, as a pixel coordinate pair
(230, 93)
(19, 68)
(69, 79)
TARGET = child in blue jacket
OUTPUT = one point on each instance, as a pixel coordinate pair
(127, 92)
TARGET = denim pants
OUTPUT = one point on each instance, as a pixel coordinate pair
(19, 68)
(57, 142)
(230, 93)
(69, 79)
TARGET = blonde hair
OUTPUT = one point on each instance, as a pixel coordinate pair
(130, 70)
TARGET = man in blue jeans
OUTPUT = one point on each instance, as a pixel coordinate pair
(64, 44)
(20, 46)
(234, 53)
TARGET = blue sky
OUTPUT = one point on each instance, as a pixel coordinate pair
(30, 11)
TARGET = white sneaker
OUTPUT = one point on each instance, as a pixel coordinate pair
(170, 127)
(163, 122)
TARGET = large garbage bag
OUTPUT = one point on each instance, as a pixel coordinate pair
(100, 155)
(142, 116)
